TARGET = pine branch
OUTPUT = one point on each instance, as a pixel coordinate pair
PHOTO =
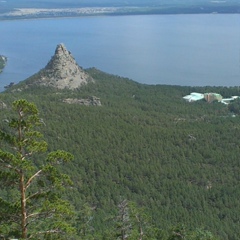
(39, 192)
(8, 166)
(38, 215)
(34, 195)
(32, 178)
(45, 232)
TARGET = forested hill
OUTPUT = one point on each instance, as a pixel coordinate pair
(147, 145)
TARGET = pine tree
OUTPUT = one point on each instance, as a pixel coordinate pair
(32, 206)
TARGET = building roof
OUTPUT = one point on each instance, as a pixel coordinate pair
(194, 97)
(209, 97)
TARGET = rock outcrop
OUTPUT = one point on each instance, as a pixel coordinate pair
(3, 105)
(3, 61)
(91, 101)
(62, 71)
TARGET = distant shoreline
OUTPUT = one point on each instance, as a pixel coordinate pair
(45, 13)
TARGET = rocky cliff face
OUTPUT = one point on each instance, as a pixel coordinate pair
(62, 71)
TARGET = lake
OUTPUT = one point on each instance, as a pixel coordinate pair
(192, 50)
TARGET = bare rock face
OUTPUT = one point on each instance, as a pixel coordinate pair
(62, 71)
(3, 61)
(91, 101)
(3, 105)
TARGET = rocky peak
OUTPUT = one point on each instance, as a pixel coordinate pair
(62, 71)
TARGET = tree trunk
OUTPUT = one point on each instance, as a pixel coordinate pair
(23, 208)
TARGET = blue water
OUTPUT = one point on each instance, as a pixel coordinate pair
(193, 50)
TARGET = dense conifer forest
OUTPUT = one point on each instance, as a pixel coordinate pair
(144, 146)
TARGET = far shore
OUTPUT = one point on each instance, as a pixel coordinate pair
(45, 13)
